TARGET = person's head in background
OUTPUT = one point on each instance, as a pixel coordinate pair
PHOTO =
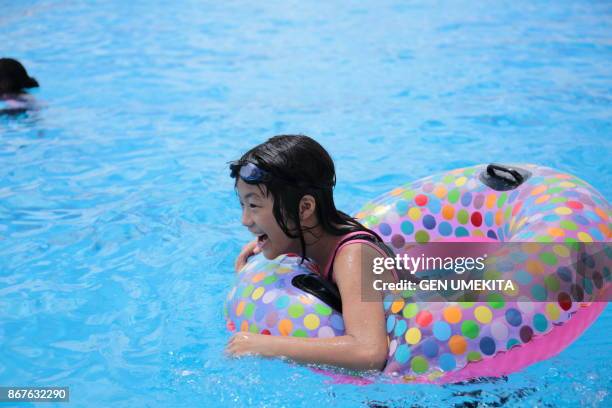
(14, 78)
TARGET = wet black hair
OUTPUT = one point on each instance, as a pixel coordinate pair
(299, 166)
(13, 77)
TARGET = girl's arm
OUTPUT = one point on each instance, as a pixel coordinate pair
(364, 346)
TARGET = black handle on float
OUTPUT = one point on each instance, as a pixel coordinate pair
(326, 291)
(518, 178)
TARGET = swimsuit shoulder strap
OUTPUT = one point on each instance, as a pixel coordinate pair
(357, 237)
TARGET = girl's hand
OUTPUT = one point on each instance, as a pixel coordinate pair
(245, 343)
(248, 250)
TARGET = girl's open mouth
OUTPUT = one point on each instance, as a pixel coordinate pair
(261, 240)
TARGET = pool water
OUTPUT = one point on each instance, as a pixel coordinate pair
(119, 224)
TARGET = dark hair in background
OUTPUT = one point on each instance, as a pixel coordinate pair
(13, 77)
(300, 166)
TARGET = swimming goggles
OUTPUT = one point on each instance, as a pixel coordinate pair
(249, 172)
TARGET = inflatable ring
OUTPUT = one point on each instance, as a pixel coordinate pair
(454, 341)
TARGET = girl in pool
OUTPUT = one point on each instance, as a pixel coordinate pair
(285, 190)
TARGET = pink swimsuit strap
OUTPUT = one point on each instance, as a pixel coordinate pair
(343, 242)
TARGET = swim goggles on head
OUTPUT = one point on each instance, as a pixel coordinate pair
(249, 172)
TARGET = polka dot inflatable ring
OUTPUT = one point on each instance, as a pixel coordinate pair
(267, 300)
(456, 341)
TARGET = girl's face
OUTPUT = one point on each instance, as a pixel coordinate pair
(258, 217)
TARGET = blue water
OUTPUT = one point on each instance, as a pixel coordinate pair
(119, 224)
